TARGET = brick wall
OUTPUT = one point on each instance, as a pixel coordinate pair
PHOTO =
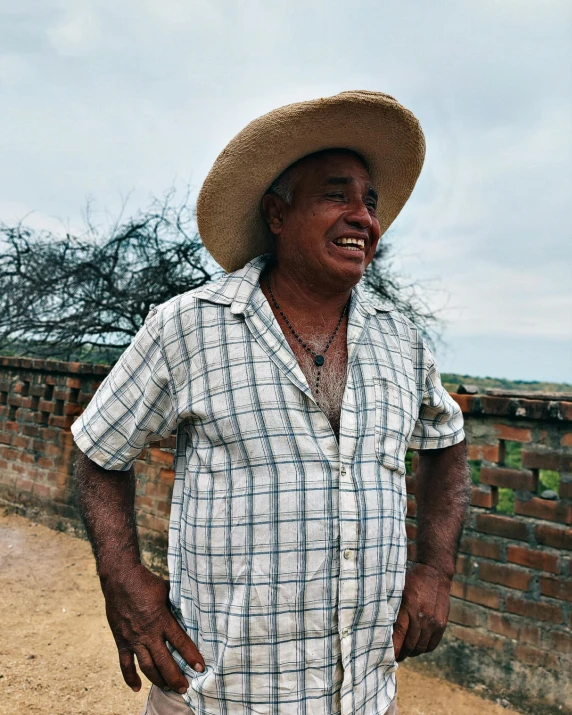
(511, 614)
(511, 610)
(39, 401)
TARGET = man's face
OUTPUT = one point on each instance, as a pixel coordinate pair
(330, 231)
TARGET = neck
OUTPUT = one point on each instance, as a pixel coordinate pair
(306, 297)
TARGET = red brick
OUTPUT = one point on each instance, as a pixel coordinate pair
(539, 560)
(411, 508)
(546, 509)
(411, 530)
(163, 507)
(45, 463)
(484, 497)
(143, 501)
(556, 461)
(42, 490)
(556, 588)
(504, 575)
(463, 565)
(46, 406)
(493, 405)
(497, 623)
(557, 537)
(411, 551)
(538, 658)
(509, 478)
(153, 522)
(465, 615)
(480, 547)
(161, 457)
(410, 484)
(465, 402)
(566, 440)
(504, 526)
(487, 452)
(565, 489)
(566, 410)
(562, 642)
(24, 485)
(514, 628)
(513, 434)
(5, 438)
(478, 637)
(158, 490)
(476, 594)
(167, 476)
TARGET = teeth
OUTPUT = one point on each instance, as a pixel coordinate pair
(353, 244)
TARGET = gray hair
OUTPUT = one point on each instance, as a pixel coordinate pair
(283, 185)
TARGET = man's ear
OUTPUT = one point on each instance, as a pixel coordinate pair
(273, 209)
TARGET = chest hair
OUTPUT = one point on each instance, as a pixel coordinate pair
(333, 371)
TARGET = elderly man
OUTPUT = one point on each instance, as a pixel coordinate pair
(295, 399)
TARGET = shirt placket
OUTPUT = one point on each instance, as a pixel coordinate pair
(349, 522)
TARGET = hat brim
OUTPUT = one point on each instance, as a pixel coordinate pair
(386, 134)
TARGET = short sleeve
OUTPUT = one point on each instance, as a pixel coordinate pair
(440, 421)
(132, 407)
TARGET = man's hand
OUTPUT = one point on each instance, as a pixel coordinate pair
(141, 621)
(424, 612)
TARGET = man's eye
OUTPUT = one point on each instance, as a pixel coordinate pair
(336, 195)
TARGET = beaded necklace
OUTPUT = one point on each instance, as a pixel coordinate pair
(319, 358)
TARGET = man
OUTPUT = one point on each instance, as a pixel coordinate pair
(295, 400)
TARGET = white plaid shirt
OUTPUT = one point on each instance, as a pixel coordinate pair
(287, 549)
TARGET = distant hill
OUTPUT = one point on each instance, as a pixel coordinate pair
(452, 380)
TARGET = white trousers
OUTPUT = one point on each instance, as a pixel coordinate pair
(171, 703)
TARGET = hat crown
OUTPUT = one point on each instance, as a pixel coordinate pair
(374, 125)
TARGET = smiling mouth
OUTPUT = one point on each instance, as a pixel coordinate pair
(350, 244)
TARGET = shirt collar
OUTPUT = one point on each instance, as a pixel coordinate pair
(238, 290)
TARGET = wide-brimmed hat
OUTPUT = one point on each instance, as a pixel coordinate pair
(386, 134)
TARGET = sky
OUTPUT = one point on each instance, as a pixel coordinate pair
(105, 103)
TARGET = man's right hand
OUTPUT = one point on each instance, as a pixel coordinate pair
(137, 607)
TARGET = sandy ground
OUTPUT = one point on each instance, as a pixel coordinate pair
(57, 656)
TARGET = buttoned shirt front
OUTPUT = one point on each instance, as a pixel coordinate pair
(287, 547)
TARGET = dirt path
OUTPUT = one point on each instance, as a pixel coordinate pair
(57, 656)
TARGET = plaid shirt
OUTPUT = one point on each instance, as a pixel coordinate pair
(287, 549)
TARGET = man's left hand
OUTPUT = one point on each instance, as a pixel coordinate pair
(424, 612)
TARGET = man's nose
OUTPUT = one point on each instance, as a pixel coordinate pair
(358, 215)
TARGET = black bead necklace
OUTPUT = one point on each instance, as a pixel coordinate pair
(319, 359)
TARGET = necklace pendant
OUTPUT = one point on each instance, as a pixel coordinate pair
(319, 360)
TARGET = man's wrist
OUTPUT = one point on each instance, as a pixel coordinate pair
(110, 571)
(440, 568)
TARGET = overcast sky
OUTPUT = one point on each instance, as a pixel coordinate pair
(101, 100)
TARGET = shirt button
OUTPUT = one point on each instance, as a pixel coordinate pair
(347, 554)
(345, 632)
(343, 471)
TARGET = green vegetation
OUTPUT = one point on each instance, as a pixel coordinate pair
(452, 380)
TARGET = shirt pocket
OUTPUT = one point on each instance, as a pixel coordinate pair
(395, 416)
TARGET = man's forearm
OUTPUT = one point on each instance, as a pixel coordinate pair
(106, 501)
(442, 493)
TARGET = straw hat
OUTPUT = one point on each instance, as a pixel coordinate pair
(387, 136)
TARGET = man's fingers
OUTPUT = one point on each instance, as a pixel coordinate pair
(184, 646)
(411, 637)
(167, 666)
(435, 640)
(400, 631)
(128, 669)
(147, 666)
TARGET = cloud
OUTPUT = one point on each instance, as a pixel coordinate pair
(101, 99)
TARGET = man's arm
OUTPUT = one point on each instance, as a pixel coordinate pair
(136, 600)
(442, 491)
